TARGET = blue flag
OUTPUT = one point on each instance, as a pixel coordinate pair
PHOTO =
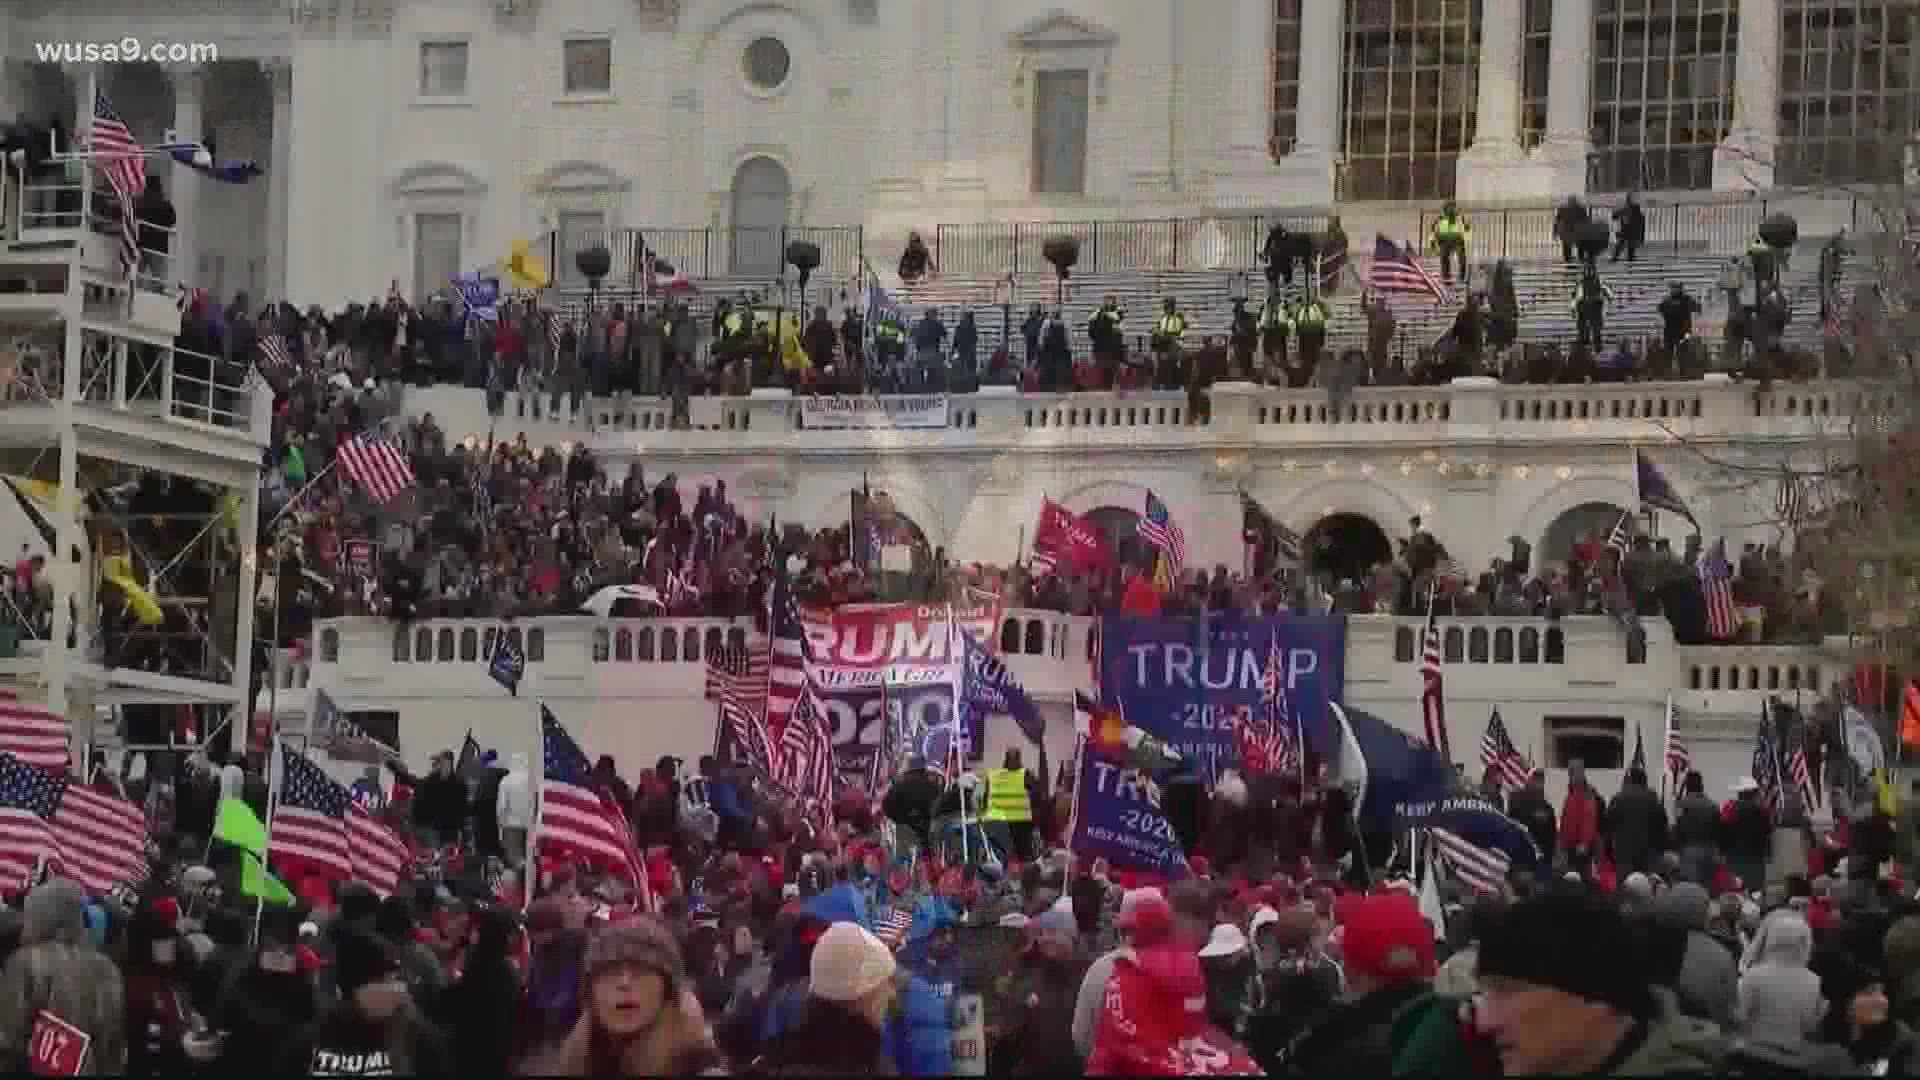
(480, 295)
(226, 172)
(1117, 817)
(509, 663)
(1388, 768)
(991, 687)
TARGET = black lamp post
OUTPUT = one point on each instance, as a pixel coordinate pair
(1063, 252)
(804, 256)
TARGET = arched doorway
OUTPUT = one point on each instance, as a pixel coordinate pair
(1347, 547)
(1586, 523)
(761, 192)
(1121, 527)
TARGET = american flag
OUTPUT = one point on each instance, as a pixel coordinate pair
(1484, 870)
(806, 752)
(1716, 586)
(1621, 538)
(378, 465)
(1766, 760)
(579, 821)
(94, 838)
(34, 735)
(274, 353)
(1679, 760)
(318, 828)
(1266, 738)
(1500, 757)
(739, 677)
(1433, 694)
(124, 162)
(1787, 502)
(1158, 529)
(787, 647)
(892, 928)
(1395, 270)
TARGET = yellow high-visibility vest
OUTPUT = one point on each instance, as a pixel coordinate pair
(1007, 796)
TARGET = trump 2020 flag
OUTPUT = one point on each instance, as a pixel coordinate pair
(1117, 817)
(991, 687)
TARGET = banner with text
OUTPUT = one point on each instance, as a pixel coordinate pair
(888, 667)
(888, 411)
(1183, 679)
(1117, 817)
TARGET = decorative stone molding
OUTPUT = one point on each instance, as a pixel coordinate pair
(373, 16)
(1228, 473)
(1060, 41)
(1004, 475)
(765, 482)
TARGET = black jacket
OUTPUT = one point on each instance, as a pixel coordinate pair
(830, 1040)
(911, 800)
(1636, 826)
(1355, 1038)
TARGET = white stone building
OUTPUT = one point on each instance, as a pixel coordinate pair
(404, 139)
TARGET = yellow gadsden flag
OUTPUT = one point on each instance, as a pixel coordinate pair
(523, 268)
(117, 571)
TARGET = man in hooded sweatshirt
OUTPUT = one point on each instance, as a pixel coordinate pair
(59, 979)
(1153, 1016)
(1707, 982)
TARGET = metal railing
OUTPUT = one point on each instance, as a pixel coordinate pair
(993, 248)
(716, 252)
(207, 390)
(55, 200)
(1526, 232)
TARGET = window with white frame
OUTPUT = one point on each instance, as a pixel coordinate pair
(1662, 87)
(1409, 101)
(436, 251)
(587, 66)
(1847, 90)
(1286, 77)
(578, 230)
(443, 69)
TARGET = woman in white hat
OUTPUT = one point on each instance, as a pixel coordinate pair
(850, 991)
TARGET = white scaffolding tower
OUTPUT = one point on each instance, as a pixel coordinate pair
(93, 391)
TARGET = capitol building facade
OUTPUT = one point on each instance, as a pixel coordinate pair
(404, 139)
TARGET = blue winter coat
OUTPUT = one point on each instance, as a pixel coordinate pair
(921, 1035)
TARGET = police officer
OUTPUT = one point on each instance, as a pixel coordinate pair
(1310, 329)
(1276, 322)
(1009, 805)
(1589, 307)
(1106, 330)
(1169, 335)
(1449, 237)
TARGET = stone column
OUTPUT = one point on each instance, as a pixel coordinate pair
(279, 74)
(1744, 161)
(1307, 172)
(183, 256)
(1570, 96)
(1484, 168)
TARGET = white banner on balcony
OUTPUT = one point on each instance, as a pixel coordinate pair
(899, 411)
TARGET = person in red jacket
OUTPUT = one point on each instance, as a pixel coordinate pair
(1153, 1020)
(1579, 819)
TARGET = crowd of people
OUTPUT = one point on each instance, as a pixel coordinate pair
(1650, 939)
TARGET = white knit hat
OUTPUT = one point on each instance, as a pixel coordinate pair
(848, 963)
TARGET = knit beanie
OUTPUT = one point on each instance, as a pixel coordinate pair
(642, 943)
(1576, 944)
(848, 964)
(360, 957)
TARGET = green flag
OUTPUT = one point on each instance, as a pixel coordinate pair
(234, 822)
(256, 882)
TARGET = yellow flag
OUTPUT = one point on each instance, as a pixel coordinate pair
(523, 269)
(118, 571)
(1886, 797)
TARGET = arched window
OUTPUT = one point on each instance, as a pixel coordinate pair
(445, 645)
(329, 646)
(469, 645)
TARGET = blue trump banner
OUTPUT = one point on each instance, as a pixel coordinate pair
(1182, 679)
(1117, 817)
(860, 716)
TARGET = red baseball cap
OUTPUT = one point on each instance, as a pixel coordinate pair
(1386, 938)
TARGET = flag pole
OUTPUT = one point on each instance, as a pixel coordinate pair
(953, 739)
(276, 774)
(536, 785)
(1666, 748)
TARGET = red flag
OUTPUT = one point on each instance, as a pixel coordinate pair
(1062, 537)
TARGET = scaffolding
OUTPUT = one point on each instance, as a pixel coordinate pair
(135, 460)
